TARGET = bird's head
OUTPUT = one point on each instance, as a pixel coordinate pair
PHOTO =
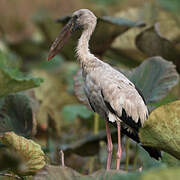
(84, 18)
(81, 19)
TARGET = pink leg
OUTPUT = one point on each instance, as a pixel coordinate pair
(119, 151)
(109, 146)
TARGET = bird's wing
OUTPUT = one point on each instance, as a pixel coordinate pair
(123, 100)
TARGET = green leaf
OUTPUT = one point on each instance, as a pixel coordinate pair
(171, 5)
(161, 174)
(16, 115)
(51, 65)
(70, 112)
(155, 77)
(12, 80)
(169, 160)
(147, 161)
(105, 2)
(9, 59)
(162, 129)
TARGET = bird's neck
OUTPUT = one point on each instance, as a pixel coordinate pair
(84, 55)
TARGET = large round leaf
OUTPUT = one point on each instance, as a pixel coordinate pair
(162, 129)
(12, 80)
(154, 77)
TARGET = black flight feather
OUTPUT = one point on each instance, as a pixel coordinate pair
(153, 152)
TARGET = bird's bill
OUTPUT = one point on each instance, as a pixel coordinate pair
(62, 38)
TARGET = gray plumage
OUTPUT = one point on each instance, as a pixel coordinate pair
(109, 92)
(104, 86)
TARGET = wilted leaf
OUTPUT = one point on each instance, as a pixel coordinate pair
(57, 172)
(111, 28)
(65, 173)
(154, 77)
(152, 43)
(162, 130)
(30, 152)
(9, 159)
(100, 42)
(70, 112)
(16, 114)
(149, 13)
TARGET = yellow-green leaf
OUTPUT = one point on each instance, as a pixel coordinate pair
(162, 129)
(32, 156)
(162, 174)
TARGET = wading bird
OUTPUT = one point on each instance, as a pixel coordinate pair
(108, 91)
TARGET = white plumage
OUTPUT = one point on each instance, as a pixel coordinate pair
(105, 84)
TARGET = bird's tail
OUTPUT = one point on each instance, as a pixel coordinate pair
(153, 152)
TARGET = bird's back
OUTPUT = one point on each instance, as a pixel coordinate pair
(116, 98)
(113, 96)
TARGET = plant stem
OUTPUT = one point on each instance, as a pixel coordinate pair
(62, 158)
(127, 153)
(95, 130)
(135, 158)
(96, 123)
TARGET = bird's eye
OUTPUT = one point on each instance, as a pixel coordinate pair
(75, 16)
